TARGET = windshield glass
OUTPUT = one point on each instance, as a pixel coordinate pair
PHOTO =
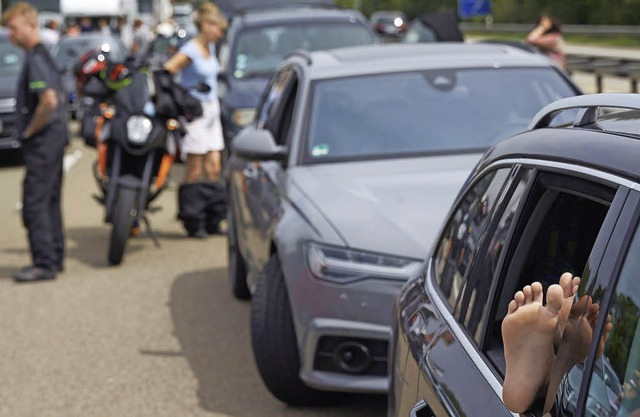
(259, 51)
(10, 59)
(67, 51)
(440, 111)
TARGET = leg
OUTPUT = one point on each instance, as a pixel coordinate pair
(55, 213)
(193, 168)
(212, 165)
(528, 332)
(37, 195)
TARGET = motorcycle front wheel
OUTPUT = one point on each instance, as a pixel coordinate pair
(123, 218)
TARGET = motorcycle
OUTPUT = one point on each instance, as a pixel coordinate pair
(136, 148)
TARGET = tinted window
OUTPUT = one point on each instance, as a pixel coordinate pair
(472, 307)
(463, 231)
(374, 116)
(260, 50)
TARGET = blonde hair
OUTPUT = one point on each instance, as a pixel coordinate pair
(209, 12)
(23, 9)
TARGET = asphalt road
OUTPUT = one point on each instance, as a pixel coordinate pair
(158, 336)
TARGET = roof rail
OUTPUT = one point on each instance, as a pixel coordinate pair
(302, 53)
(589, 103)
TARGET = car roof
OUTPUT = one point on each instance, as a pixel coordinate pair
(612, 152)
(293, 14)
(388, 57)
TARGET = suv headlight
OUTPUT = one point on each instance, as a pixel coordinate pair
(138, 129)
(345, 265)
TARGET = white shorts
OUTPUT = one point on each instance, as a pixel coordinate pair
(204, 134)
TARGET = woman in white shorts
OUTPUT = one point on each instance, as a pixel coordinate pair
(196, 67)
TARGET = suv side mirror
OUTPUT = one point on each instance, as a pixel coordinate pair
(254, 144)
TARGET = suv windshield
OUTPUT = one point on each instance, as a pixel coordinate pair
(427, 111)
(259, 51)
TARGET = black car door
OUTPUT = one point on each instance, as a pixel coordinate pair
(452, 377)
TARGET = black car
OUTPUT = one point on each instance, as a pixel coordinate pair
(258, 39)
(561, 197)
(69, 49)
(11, 58)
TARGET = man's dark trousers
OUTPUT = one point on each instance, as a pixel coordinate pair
(41, 212)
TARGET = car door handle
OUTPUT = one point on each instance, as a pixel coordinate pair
(421, 409)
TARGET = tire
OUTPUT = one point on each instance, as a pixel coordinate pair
(123, 218)
(274, 342)
(237, 267)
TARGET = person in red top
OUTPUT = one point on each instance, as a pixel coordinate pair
(548, 38)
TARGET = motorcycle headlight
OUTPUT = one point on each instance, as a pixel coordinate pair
(138, 128)
(242, 117)
(343, 265)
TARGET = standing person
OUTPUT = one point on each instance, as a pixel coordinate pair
(196, 65)
(50, 34)
(43, 131)
(548, 38)
(141, 37)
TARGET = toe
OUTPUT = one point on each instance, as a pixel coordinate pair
(536, 290)
(513, 306)
(566, 282)
(528, 294)
(519, 298)
(555, 298)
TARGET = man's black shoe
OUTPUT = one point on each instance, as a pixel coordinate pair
(34, 273)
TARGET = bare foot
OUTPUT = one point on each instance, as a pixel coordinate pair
(528, 332)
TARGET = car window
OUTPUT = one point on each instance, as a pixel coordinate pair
(259, 51)
(418, 112)
(473, 307)
(462, 233)
(615, 383)
(555, 232)
(11, 58)
(276, 105)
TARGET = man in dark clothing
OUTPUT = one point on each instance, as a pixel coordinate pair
(42, 125)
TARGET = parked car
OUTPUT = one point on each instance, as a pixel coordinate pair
(389, 23)
(337, 189)
(559, 197)
(69, 49)
(259, 38)
(11, 59)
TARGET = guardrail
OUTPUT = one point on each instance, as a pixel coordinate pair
(601, 67)
(600, 64)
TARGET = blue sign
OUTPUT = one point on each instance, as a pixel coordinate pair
(470, 8)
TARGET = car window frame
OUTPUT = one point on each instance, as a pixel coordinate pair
(279, 124)
(608, 275)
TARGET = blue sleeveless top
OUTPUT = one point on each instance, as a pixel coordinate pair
(201, 70)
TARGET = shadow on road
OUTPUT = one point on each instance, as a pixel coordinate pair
(89, 245)
(213, 330)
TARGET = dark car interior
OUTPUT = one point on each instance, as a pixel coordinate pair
(560, 223)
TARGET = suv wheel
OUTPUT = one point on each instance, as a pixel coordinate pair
(274, 341)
